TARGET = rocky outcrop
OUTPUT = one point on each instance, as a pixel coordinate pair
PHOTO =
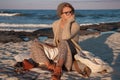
(12, 36)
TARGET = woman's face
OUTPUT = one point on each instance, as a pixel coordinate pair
(66, 13)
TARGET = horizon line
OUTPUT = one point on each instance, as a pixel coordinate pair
(56, 9)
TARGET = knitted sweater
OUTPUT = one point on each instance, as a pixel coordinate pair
(70, 31)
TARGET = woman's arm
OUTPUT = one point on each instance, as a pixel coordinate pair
(54, 28)
(70, 30)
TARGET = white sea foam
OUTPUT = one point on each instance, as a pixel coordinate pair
(22, 27)
(9, 14)
(86, 24)
(28, 27)
(18, 30)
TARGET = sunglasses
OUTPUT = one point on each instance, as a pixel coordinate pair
(68, 12)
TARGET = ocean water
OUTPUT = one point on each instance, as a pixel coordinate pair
(30, 20)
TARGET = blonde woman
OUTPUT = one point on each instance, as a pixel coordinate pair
(64, 29)
(59, 55)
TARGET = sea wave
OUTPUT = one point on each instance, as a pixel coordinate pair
(36, 25)
(30, 27)
(17, 30)
(25, 25)
(10, 14)
(87, 24)
(22, 27)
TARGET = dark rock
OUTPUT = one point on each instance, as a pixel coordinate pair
(102, 26)
(12, 36)
(44, 32)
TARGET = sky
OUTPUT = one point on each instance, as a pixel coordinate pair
(52, 4)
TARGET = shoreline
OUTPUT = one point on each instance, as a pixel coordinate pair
(15, 36)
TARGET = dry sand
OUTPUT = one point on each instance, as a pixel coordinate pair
(106, 46)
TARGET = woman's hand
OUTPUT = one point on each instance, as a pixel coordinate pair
(71, 19)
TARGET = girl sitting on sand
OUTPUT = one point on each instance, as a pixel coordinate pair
(65, 45)
(64, 29)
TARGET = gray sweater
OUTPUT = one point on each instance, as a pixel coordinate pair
(70, 31)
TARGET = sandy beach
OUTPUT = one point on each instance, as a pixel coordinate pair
(104, 45)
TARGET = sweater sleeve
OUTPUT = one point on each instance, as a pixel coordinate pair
(70, 30)
(54, 33)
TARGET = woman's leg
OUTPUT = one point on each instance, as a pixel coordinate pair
(62, 53)
(38, 55)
